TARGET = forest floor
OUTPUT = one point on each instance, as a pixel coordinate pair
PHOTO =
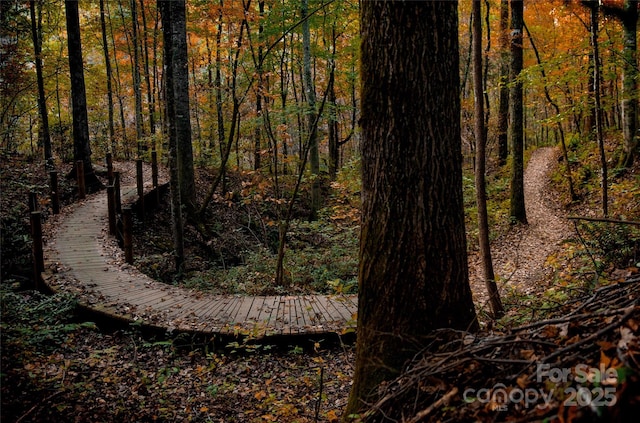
(520, 256)
(58, 368)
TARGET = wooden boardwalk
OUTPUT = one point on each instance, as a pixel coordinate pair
(81, 258)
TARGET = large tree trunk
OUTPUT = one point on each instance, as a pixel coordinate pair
(177, 221)
(518, 211)
(36, 34)
(181, 113)
(81, 144)
(413, 275)
(481, 192)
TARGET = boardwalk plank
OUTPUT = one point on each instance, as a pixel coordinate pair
(77, 250)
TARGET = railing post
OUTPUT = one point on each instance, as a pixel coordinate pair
(109, 160)
(140, 184)
(154, 168)
(154, 175)
(37, 250)
(55, 196)
(33, 201)
(116, 187)
(127, 229)
(82, 190)
(111, 204)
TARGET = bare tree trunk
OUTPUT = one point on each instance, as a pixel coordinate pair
(118, 91)
(314, 153)
(180, 74)
(259, 94)
(147, 74)
(107, 64)
(518, 211)
(503, 108)
(595, 16)
(219, 103)
(177, 221)
(81, 142)
(413, 275)
(137, 80)
(481, 141)
(36, 35)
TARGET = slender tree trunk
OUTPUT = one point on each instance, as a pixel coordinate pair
(36, 35)
(259, 93)
(413, 275)
(595, 16)
(630, 82)
(177, 221)
(107, 63)
(219, 88)
(125, 141)
(503, 107)
(234, 129)
(211, 100)
(314, 153)
(81, 142)
(518, 211)
(334, 137)
(147, 74)
(196, 106)
(155, 77)
(284, 85)
(137, 80)
(481, 141)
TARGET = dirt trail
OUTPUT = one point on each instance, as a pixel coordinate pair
(519, 257)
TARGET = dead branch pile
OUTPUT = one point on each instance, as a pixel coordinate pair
(580, 365)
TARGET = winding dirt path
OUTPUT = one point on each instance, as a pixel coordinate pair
(519, 257)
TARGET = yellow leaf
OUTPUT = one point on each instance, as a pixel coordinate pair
(332, 416)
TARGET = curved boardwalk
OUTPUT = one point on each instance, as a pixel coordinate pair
(80, 258)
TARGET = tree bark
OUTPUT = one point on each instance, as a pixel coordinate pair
(36, 35)
(314, 154)
(503, 107)
(137, 80)
(147, 74)
(177, 221)
(107, 63)
(181, 113)
(259, 94)
(518, 212)
(481, 141)
(595, 16)
(413, 274)
(81, 143)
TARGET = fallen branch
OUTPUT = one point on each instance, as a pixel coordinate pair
(593, 337)
(604, 220)
(439, 403)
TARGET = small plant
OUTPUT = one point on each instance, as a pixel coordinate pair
(37, 322)
(612, 244)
